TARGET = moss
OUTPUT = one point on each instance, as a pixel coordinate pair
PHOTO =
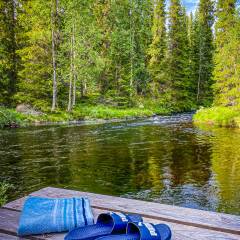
(219, 116)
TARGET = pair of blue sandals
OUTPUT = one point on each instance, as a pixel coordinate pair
(119, 226)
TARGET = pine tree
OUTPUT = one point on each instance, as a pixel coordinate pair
(35, 75)
(101, 12)
(141, 36)
(54, 31)
(121, 71)
(193, 33)
(227, 57)
(79, 62)
(157, 51)
(202, 52)
(8, 48)
(178, 58)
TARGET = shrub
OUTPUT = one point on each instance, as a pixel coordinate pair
(220, 116)
(9, 117)
(4, 187)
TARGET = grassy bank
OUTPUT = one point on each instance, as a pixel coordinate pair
(10, 117)
(4, 187)
(219, 116)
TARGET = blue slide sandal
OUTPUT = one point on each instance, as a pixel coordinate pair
(107, 223)
(142, 231)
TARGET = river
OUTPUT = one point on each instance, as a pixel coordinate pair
(160, 159)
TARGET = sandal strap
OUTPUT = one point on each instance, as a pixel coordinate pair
(147, 231)
(118, 221)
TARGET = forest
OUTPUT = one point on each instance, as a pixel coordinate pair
(64, 55)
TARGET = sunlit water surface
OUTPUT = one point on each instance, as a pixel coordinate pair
(160, 159)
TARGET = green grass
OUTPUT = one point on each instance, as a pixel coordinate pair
(81, 112)
(219, 116)
(4, 187)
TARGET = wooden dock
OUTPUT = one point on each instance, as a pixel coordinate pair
(186, 224)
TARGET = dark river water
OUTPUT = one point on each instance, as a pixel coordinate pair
(160, 159)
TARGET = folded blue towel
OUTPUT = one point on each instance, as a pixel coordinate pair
(45, 215)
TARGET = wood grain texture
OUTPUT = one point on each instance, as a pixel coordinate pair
(185, 216)
(9, 237)
(10, 218)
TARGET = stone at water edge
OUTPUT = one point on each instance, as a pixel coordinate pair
(27, 109)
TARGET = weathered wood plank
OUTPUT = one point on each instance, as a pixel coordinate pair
(10, 220)
(185, 216)
(9, 237)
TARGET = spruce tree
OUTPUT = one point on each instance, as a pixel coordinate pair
(8, 50)
(79, 57)
(101, 13)
(157, 51)
(35, 75)
(202, 52)
(178, 58)
(227, 57)
(193, 33)
(141, 35)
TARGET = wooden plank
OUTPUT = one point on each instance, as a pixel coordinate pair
(180, 232)
(179, 215)
(4, 236)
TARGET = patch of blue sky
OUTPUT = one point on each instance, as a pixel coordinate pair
(190, 5)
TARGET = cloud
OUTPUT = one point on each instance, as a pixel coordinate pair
(190, 5)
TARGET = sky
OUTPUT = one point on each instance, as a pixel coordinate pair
(190, 5)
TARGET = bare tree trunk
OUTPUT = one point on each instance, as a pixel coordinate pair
(199, 70)
(53, 23)
(74, 69)
(12, 73)
(132, 49)
(71, 76)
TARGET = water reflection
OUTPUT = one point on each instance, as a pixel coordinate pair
(156, 160)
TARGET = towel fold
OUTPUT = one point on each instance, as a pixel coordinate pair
(45, 215)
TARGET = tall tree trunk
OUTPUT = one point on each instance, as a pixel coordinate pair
(74, 68)
(199, 69)
(71, 76)
(54, 20)
(13, 56)
(132, 48)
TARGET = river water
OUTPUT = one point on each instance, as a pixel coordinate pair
(160, 159)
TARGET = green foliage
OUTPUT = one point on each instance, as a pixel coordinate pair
(68, 51)
(220, 116)
(227, 57)
(4, 187)
(178, 58)
(83, 111)
(36, 67)
(157, 52)
(8, 47)
(201, 53)
(9, 117)
(103, 112)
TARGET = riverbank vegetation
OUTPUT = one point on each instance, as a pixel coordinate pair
(226, 74)
(133, 58)
(219, 116)
(12, 118)
(4, 187)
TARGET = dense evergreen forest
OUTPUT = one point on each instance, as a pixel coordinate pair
(55, 54)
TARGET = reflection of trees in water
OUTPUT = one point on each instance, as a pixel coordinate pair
(173, 164)
(34, 159)
(177, 169)
(226, 167)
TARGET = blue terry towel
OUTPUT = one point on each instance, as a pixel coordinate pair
(45, 215)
